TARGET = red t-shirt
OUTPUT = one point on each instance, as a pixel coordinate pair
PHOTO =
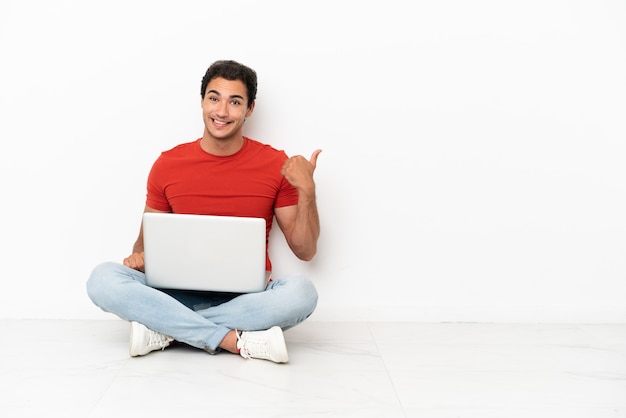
(186, 179)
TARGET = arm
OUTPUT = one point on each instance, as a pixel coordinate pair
(300, 223)
(135, 260)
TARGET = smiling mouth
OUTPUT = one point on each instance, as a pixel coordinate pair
(219, 122)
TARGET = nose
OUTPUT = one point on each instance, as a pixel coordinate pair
(222, 108)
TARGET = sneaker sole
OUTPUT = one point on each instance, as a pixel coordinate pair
(134, 329)
(282, 356)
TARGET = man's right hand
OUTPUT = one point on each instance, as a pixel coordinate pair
(135, 261)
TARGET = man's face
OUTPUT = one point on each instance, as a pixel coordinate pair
(225, 108)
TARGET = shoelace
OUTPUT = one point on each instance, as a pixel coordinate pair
(252, 347)
(156, 338)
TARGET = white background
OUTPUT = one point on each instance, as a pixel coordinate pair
(473, 151)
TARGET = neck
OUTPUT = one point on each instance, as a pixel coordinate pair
(221, 146)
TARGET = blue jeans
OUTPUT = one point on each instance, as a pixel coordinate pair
(199, 319)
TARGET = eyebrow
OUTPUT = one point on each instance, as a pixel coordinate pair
(234, 96)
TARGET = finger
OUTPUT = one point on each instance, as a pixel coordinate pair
(313, 159)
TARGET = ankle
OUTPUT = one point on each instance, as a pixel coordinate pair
(229, 343)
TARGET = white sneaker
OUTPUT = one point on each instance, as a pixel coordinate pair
(265, 345)
(143, 340)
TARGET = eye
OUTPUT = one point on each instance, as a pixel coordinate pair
(235, 102)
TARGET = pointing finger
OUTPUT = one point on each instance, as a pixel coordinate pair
(313, 159)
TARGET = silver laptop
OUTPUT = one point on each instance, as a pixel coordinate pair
(203, 252)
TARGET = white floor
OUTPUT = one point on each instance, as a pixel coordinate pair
(82, 369)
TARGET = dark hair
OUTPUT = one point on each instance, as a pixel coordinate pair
(231, 70)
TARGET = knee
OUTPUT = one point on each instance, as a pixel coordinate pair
(99, 280)
(304, 296)
(310, 295)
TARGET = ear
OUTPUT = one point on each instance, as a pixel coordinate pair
(250, 109)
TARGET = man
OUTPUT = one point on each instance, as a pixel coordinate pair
(223, 173)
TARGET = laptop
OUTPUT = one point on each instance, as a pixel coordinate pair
(204, 252)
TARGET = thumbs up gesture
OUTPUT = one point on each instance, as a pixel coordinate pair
(299, 172)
